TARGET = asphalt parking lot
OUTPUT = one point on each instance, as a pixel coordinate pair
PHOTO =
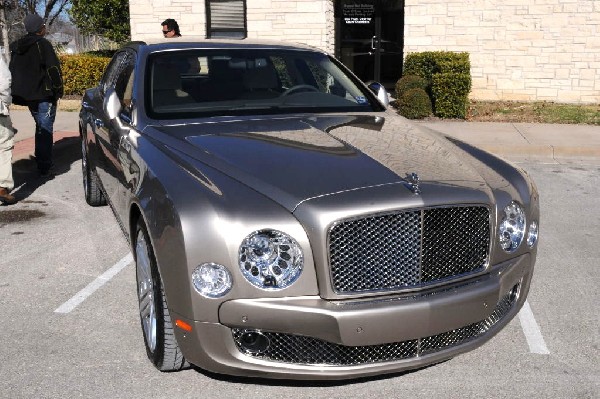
(70, 326)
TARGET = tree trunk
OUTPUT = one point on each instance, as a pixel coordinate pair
(5, 42)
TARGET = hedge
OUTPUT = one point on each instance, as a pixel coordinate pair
(451, 93)
(428, 63)
(81, 72)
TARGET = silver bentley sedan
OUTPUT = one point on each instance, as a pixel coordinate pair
(286, 223)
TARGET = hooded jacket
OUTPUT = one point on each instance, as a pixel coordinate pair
(35, 68)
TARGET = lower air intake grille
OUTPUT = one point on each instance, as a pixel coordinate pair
(297, 349)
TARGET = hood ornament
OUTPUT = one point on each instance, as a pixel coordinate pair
(412, 183)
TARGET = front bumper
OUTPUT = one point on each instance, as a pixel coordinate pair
(354, 338)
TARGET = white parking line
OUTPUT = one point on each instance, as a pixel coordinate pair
(94, 285)
(533, 335)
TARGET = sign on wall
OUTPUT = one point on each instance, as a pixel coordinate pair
(357, 13)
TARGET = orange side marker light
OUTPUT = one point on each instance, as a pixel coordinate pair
(183, 325)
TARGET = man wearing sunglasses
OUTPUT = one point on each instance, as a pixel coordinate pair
(170, 28)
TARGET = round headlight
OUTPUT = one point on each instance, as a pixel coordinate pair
(211, 280)
(270, 259)
(532, 236)
(512, 227)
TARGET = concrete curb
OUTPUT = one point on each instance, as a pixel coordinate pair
(547, 151)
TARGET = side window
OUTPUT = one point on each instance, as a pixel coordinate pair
(110, 74)
(124, 80)
(226, 19)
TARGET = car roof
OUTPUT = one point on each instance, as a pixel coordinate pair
(191, 42)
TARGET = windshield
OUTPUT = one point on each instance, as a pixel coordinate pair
(258, 81)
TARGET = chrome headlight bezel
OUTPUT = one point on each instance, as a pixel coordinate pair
(270, 259)
(511, 229)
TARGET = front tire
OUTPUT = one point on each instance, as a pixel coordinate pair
(91, 186)
(159, 337)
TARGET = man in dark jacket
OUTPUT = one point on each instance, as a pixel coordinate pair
(37, 83)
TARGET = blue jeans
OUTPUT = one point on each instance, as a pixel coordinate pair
(44, 114)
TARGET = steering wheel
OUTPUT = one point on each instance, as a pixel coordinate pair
(296, 88)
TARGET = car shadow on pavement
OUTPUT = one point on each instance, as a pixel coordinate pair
(25, 173)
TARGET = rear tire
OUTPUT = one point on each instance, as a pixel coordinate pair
(159, 337)
(91, 186)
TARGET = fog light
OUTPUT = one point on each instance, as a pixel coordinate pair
(254, 341)
(514, 292)
(211, 280)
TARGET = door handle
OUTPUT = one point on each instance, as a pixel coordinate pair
(373, 42)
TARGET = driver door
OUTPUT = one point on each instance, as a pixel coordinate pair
(112, 139)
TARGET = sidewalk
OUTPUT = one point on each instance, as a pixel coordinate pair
(527, 141)
(66, 125)
(514, 141)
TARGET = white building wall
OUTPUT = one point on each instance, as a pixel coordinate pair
(519, 49)
(545, 50)
(146, 16)
(303, 21)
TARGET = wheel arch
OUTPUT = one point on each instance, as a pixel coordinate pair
(167, 244)
(135, 214)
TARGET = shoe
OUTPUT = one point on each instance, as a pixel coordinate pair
(6, 197)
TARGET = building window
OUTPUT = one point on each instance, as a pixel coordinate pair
(226, 19)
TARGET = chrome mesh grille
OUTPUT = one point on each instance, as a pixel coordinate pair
(408, 249)
(297, 349)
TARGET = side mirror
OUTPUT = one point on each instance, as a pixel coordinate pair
(112, 104)
(112, 108)
(380, 92)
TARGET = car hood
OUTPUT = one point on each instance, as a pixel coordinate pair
(296, 159)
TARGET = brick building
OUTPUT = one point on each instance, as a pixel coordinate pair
(519, 49)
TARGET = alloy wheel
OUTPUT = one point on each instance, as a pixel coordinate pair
(146, 291)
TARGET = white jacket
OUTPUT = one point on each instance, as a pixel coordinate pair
(5, 79)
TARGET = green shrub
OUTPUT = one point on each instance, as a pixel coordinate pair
(421, 64)
(408, 82)
(454, 62)
(414, 104)
(448, 77)
(81, 72)
(451, 93)
(428, 63)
